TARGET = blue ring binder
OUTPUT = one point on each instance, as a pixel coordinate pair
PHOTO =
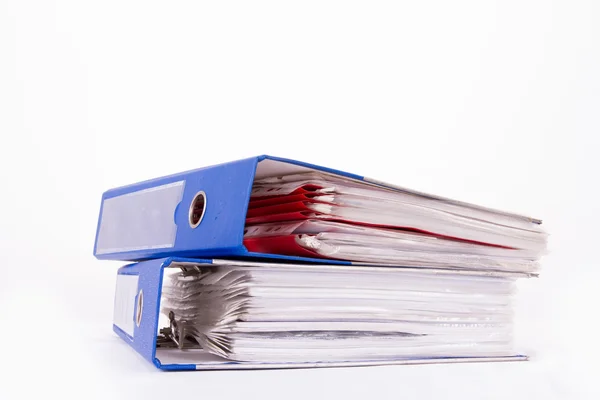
(151, 219)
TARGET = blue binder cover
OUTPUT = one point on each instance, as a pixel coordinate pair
(137, 320)
(198, 213)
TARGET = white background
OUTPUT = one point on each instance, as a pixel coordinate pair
(493, 102)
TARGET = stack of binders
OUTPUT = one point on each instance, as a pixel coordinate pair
(273, 263)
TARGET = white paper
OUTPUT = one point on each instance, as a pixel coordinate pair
(359, 202)
(271, 313)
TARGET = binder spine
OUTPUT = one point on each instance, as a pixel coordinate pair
(145, 303)
(196, 213)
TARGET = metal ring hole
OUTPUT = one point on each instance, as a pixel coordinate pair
(197, 209)
(139, 309)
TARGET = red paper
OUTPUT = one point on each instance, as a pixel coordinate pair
(275, 200)
(304, 189)
(298, 206)
(284, 245)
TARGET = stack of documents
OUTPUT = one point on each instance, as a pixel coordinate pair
(276, 263)
(303, 313)
(320, 215)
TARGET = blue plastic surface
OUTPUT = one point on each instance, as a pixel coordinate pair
(227, 188)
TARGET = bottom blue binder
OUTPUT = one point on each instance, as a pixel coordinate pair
(138, 320)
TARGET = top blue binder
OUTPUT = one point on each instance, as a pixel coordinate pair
(198, 213)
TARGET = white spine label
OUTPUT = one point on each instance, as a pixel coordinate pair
(125, 295)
